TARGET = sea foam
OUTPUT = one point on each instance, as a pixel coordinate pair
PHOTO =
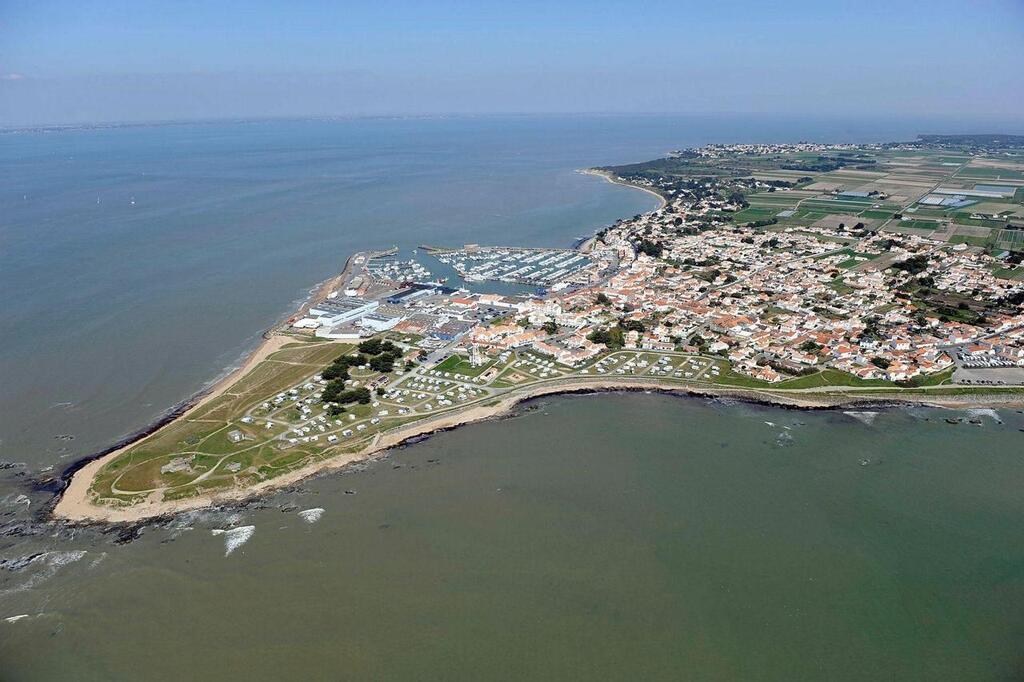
(49, 563)
(311, 515)
(864, 417)
(234, 537)
(15, 500)
(985, 412)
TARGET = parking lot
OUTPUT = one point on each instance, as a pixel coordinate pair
(989, 376)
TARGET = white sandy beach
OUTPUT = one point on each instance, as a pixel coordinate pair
(608, 176)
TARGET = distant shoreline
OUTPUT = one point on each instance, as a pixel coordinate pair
(662, 202)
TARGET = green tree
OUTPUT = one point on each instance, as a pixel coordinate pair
(335, 371)
(370, 346)
(809, 346)
(651, 248)
(632, 325)
(612, 338)
(384, 363)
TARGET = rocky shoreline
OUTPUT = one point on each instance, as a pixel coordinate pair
(73, 504)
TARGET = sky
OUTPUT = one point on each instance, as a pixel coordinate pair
(85, 61)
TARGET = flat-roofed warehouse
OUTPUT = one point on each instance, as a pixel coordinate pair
(340, 310)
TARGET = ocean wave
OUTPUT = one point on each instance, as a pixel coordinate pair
(985, 412)
(234, 537)
(863, 417)
(214, 516)
(48, 564)
(311, 515)
(15, 500)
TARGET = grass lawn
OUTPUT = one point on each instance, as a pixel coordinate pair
(990, 173)
(966, 219)
(958, 390)
(1009, 273)
(875, 214)
(202, 438)
(968, 239)
(830, 377)
(933, 379)
(752, 214)
(919, 224)
(839, 286)
(403, 337)
(824, 379)
(460, 365)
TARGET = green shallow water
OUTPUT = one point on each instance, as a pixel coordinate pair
(613, 537)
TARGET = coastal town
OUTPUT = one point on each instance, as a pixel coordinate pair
(808, 274)
(851, 290)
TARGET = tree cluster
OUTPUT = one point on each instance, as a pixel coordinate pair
(914, 265)
(338, 370)
(384, 354)
(613, 338)
(651, 248)
(360, 394)
(632, 325)
(738, 199)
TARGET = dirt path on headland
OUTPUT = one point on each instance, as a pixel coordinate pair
(74, 502)
(76, 505)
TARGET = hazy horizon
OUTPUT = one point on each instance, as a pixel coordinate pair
(88, 62)
(926, 125)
